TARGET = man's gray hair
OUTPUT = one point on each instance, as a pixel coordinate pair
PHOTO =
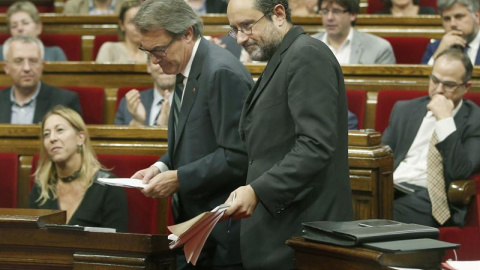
(442, 5)
(24, 39)
(175, 16)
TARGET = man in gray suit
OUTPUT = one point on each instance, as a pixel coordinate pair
(349, 45)
(206, 160)
(294, 124)
(455, 122)
(27, 101)
(150, 107)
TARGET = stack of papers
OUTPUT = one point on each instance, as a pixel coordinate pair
(123, 182)
(461, 265)
(194, 232)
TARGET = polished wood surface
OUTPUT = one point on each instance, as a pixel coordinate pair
(370, 162)
(312, 256)
(27, 247)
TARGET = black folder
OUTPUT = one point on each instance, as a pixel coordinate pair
(353, 233)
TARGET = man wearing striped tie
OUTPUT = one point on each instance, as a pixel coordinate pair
(206, 160)
(435, 140)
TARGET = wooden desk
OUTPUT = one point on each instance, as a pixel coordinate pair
(312, 256)
(25, 244)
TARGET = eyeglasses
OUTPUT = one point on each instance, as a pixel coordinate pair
(448, 86)
(158, 52)
(245, 29)
(334, 11)
(20, 62)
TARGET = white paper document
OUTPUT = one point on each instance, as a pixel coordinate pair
(462, 265)
(123, 182)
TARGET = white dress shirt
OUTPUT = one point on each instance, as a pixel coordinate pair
(343, 53)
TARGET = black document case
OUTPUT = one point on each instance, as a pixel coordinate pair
(352, 233)
(411, 245)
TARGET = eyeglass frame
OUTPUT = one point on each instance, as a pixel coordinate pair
(335, 11)
(449, 87)
(158, 52)
(234, 32)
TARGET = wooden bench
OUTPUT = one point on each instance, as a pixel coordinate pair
(370, 162)
(88, 26)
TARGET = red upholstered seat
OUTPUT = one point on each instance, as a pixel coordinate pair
(408, 50)
(99, 40)
(92, 100)
(377, 5)
(142, 211)
(385, 101)
(8, 183)
(122, 91)
(70, 44)
(356, 104)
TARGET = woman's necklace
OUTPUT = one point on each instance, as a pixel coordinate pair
(70, 178)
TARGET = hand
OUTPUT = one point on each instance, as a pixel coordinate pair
(440, 106)
(450, 39)
(244, 204)
(135, 107)
(146, 174)
(162, 185)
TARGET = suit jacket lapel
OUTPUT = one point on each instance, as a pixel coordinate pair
(191, 89)
(5, 106)
(357, 48)
(415, 121)
(147, 100)
(42, 104)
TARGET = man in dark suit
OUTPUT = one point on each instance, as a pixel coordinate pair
(150, 107)
(453, 124)
(27, 101)
(206, 159)
(294, 123)
(460, 19)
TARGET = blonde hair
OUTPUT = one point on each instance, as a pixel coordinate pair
(25, 6)
(46, 171)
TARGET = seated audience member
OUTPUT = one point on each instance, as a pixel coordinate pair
(401, 8)
(208, 6)
(23, 19)
(125, 51)
(352, 121)
(303, 7)
(67, 173)
(349, 45)
(460, 20)
(93, 7)
(28, 99)
(149, 107)
(435, 140)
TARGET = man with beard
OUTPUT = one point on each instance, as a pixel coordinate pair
(294, 124)
(206, 159)
(460, 19)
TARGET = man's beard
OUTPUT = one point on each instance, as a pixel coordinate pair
(265, 50)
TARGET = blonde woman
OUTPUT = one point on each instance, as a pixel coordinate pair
(67, 173)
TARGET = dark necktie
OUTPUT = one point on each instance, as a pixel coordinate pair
(155, 122)
(177, 100)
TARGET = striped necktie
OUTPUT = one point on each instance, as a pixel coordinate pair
(177, 100)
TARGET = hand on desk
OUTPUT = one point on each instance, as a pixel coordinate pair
(244, 204)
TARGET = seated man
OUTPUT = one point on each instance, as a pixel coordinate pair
(460, 20)
(349, 45)
(352, 121)
(435, 140)
(93, 7)
(150, 107)
(27, 101)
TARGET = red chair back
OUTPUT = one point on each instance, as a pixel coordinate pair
(8, 183)
(99, 40)
(70, 44)
(122, 91)
(377, 5)
(43, 7)
(408, 50)
(386, 99)
(92, 100)
(142, 211)
(356, 104)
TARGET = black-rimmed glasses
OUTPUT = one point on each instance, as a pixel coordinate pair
(246, 29)
(448, 86)
(158, 52)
